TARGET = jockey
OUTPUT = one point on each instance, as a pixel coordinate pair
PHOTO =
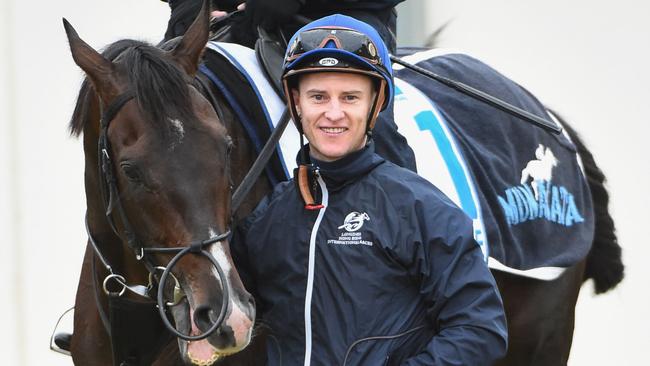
(381, 14)
(390, 144)
(359, 261)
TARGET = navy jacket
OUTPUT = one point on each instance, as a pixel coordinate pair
(387, 273)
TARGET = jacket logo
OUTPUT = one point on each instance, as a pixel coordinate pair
(354, 221)
(351, 236)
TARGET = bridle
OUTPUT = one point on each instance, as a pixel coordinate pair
(110, 196)
(112, 203)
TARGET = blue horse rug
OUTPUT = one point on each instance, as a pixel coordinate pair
(522, 186)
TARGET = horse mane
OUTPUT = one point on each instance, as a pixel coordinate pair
(160, 87)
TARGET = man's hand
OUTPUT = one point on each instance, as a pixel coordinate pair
(222, 13)
(270, 13)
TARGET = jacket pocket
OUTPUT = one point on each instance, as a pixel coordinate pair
(368, 358)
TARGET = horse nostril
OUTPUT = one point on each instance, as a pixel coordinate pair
(204, 317)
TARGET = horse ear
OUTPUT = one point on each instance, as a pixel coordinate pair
(99, 69)
(188, 52)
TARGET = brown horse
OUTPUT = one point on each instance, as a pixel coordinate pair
(158, 182)
(174, 171)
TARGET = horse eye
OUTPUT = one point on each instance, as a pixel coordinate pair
(131, 172)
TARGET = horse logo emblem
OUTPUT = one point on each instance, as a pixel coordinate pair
(540, 169)
(354, 221)
(541, 199)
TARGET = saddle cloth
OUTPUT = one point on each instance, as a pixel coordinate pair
(523, 187)
(258, 107)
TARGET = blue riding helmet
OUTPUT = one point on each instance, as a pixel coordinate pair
(339, 43)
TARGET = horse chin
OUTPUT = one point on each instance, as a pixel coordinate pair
(201, 352)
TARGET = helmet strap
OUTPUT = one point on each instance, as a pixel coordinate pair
(376, 107)
(304, 157)
(295, 116)
(305, 174)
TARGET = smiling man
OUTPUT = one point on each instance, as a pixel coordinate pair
(334, 108)
(358, 261)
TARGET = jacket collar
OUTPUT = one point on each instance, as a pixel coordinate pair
(346, 170)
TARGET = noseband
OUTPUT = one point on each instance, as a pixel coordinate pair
(110, 196)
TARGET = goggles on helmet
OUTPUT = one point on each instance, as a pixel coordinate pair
(343, 39)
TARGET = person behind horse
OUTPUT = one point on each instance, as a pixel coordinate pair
(381, 14)
(270, 14)
(358, 261)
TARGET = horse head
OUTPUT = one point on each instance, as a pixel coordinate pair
(169, 184)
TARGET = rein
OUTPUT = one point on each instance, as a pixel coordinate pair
(259, 164)
(482, 96)
(265, 153)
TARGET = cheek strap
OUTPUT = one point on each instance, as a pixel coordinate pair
(292, 105)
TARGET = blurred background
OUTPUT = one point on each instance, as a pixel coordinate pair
(586, 59)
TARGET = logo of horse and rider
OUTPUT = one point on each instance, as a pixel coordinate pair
(351, 224)
(354, 221)
(536, 197)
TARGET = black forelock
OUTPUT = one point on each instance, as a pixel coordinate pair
(159, 85)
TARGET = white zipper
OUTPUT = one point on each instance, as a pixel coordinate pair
(310, 271)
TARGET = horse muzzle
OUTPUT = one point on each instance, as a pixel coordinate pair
(233, 335)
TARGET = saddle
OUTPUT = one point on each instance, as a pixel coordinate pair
(269, 50)
(269, 46)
